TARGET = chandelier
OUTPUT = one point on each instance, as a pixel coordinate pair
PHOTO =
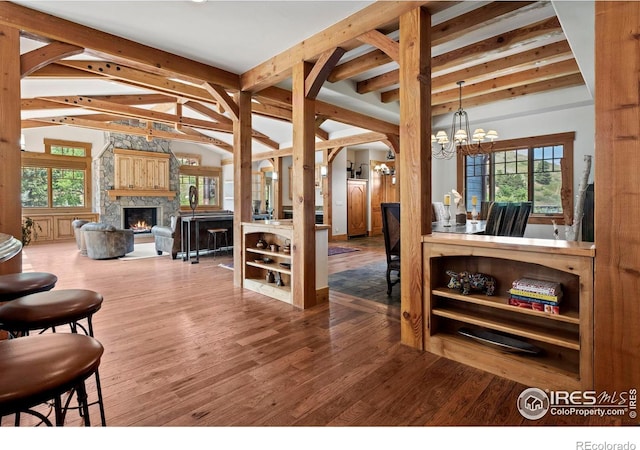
(446, 146)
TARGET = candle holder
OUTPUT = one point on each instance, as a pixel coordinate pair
(447, 216)
(474, 214)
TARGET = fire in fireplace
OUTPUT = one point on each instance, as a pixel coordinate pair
(140, 220)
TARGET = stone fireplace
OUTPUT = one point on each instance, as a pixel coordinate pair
(112, 210)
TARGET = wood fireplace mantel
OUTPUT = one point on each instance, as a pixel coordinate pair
(115, 193)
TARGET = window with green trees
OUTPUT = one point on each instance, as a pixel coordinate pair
(536, 169)
(58, 178)
(205, 179)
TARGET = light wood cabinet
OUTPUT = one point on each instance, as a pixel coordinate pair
(139, 173)
(57, 227)
(356, 207)
(566, 339)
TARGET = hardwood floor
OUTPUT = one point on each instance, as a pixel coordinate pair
(184, 347)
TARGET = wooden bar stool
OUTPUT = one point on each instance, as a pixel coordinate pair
(37, 369)
(48, 310)
(213, 233)
(14, 285)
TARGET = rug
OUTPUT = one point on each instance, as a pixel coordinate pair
(340, 250)
(368, 282)
(142, 251)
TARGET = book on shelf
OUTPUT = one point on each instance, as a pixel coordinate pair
(527, 298)
(552, 288)
(536, 295)
(535, 306)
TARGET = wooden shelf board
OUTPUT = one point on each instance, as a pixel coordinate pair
(113, 193)
(272, 267)
(499, 302)
(541, 371)
(269, 253)
(538, 333)
(282, 293)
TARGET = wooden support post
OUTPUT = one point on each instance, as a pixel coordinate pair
(242, 179)
(415, 165)
(277, 189)
(10, 205)
(304, 236)
(617, 164)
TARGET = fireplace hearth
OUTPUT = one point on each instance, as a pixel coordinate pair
(139, 219)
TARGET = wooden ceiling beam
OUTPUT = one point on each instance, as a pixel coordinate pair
(223, 99)
(113, 47)
(533, 88)
(363, 138)
(441, 33)
(208, 112)
(78, 121)
(278, 68)
(138, 113)
(383, 43)
(43, 56)
(139, 78)
(58, 71)
(321, 70)
(557, 51)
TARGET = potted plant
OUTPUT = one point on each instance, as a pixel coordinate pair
(29, 230)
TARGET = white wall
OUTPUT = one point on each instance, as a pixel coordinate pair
(34, 137)
(580, 119)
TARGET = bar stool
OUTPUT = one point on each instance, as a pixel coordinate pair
(37, 369)
(213, 233)
(48, 310)
(14, 285)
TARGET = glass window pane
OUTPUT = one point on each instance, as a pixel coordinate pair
(511, 188)
(185, 182)
(68, 151)
(35, 187)
(548, 152)
(558, 151)
(208, 190)
(67, 187)
(546, 193)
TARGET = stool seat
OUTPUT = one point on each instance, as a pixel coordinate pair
(14, 285)
(213, 232)
(49, 309)
(38, 368)
(216, 230)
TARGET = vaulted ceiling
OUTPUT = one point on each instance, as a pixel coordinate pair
(73, 76)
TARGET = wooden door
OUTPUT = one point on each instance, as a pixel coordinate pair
(377, 197)
(356, 207)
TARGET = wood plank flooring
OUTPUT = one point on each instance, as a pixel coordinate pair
(184, 347)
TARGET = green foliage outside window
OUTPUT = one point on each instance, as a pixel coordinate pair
(67, 187)
(35, 187)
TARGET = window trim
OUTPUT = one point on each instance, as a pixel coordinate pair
(566, 165)
(203, 171)
(50, 161)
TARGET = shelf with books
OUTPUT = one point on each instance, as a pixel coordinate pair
(566, 338)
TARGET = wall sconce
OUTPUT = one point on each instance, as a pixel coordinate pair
(274, 176)
(23, 144)
(323, 170)
(383, 169)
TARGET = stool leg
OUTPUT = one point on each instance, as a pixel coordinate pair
(81, 391)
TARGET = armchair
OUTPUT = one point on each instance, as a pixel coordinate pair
(105, 241)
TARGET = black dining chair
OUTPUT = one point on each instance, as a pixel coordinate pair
(494, 218)
(521, 219)
(391, 233)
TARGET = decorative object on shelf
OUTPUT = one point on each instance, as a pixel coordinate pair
(286, 265)
(501, 341)
(279, 281)
(460, 140)
(359, 171)
(270, 277)
(466, 282)
(350, 169)
(287, 246)
(261, 243)
(274, 247)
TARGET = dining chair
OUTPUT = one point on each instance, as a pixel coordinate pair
(521, 219)
(494, 218)
(391, 233)
(508, 218)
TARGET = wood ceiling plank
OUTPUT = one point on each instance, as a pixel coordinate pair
(443, 32)
(135, 99)
(533, 88)
(279, 67)
(113, 47)
(43, 56)
(557, 51)
(363, 138)
(514, 80)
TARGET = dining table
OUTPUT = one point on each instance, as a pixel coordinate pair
(470, 227)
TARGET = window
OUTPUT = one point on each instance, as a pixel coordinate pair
(205, 179)
(537, 169)
(59, 178)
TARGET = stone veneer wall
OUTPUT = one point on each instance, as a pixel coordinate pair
(104, 177)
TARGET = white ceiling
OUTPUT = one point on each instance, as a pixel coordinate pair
(235, 36)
